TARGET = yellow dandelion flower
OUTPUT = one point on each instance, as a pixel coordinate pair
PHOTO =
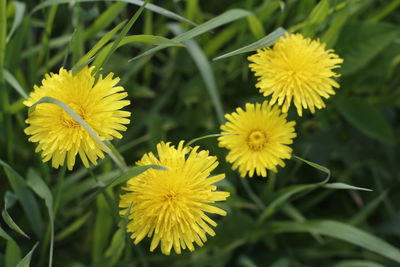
(257, 138)
(296, 68)
(171, 205)
(99, 104)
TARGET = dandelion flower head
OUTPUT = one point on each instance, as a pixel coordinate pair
(298, 69)
(171, 205)
(257, 139)
(59, 137)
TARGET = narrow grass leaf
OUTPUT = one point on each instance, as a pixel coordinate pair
(105, 19)
(316, 166)
(9, 200)
(78, 119)
(107, 37)
(3, 34)
(204, 137)
(367, 118)
(13, 254)
(340, 231)
(267, 41)
(141, 38)
(151, 7)
(283, 196)
(357, 263)
(72, 228)
(120, 36)
(35, 182)
(26, 261)
(19, 15)
(130, 173)
(224, 18)
(205, 69)
(344, 186)
(14, 83)
(25, 197)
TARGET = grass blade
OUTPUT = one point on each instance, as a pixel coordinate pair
(19, 15)
(340, 231)
(9, 200)
(121, 35)
(224, 18)
(14, 83)
(107, 37)
(206, 71)
(36, 183)
(79, 120)
(267, 41)
(26, 261)
(151, 7)
(26, 198)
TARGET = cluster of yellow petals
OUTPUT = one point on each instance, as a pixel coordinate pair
(257, 138)
(170, 205)
(99, 104)
(298, 69)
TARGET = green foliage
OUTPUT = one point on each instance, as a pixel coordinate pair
(183, 64)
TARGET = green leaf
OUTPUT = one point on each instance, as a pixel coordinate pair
(107, 37)
(14, 83)
(256, 26)
(130, 173)
(19, 15)
(151, 7)
(224, 18)
(79, 120)
(365, 117)
(359, 43)
(13, 254)
(25, 197)
(73, 227)
(316, 166)
(340, 231)
(26, 261)
(357, 263)
(206, 71)
(121, 35)
(141, 38)
(267, 41)
(105, 19)
(344, 186)
(9, 200)
(35, 182)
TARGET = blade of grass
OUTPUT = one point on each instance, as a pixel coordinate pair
(26, 261)
(205, 69)
(105, 19)
(340, 231)
(26, 198)
(152, 7)
(267, 41)
(3, 34)
(79, 120)
(121, 35)
(19, 15)
(142, 38)
(107, 37)
(9, 200)
(36, 183)
(14, 83)
(224, 18)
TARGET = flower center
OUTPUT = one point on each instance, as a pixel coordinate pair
(67, 120)
(256, 140)
(170, 196)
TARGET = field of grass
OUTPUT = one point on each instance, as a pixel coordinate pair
(184, 64)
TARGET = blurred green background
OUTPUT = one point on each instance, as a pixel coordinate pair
(180, 93)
